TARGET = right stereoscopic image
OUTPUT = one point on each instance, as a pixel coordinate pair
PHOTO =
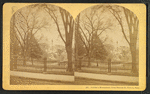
(107, 45)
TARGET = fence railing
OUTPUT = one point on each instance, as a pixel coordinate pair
(37, 64)
(53, 65)
(109, 67)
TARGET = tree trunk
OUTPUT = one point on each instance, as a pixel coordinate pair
(24, 58)
(11, 64)
(45, 64)
(32, 60)
(80, 62)
(133, 53)
(97, 63)
(76, 65)
(69, 56)
(89, 60)
(109, 65)
(15, 62)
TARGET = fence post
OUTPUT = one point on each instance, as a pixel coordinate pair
(97, 62)
(109, 65)
(80, 62)
(15, 62)
(45, 64)
(76, 64)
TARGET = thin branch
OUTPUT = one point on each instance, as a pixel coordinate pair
(84, 34)
(55, 20)
(24, 18)
(19, 33)
(121, 26)
(83, 42)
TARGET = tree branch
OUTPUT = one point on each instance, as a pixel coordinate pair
(55, 20)
(84, 34)
(120, 25)
(19, 33)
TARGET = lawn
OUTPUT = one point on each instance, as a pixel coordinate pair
(106, 72)
(56, 68)
(38, 67)
(78, 81)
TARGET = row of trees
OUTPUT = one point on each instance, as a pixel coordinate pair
(94, 27)
(88, 27)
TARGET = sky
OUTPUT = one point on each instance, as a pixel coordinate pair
(50, 32)
(115, 33)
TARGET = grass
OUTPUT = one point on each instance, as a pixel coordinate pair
(112, 73)
(106, 67)
(89, 81)
(47, 72)
(31, 81)
(78, 81)
(38, 67)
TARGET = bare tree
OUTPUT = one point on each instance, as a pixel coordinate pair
(92, 24)
(68, 23)
(133, 23)
(14, 46)
(26, 25)
(80, 50)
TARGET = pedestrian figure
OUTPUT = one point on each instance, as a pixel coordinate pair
(45, 64)
(109, 65)
(80, 62)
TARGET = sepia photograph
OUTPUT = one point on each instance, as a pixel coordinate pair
(100, 46)
(41, 46)
(106, 44)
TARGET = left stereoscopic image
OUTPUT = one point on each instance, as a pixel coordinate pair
(40, 46)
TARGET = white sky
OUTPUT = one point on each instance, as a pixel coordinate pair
(115, 34)
(51, 32)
